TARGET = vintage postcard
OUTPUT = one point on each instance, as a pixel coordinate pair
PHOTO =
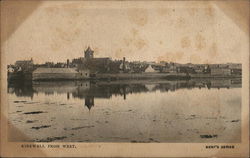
(124, 78)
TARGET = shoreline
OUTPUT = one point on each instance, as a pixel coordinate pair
(129, 76)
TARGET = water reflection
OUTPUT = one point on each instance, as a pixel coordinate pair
(89, 91)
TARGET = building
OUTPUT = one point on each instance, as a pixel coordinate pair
(94, 65)
(220, 71)
(199, 69)
(150, 69)
(10, 68)
(235, 66)
(88, 53)
(83, 74)
(236, 69)
(24, 65)
(77, 61)
(124, 66)
(54, 74)
(170, 68)
(185, 69)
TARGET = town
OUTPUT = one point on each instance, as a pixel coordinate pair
(89, 67)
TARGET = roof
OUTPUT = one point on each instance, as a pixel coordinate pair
(100, 59)
(24, 61)
(150, 69)
(89, 50)
(55, 70)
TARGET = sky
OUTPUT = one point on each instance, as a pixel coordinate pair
(173, 31)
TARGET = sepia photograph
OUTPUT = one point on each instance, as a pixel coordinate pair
(91, 99)
(126, 72)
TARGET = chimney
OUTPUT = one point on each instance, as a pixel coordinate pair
(123, 64)
(67, 63)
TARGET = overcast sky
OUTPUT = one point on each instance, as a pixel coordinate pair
(197, 32)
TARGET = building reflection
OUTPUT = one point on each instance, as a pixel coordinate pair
(89, 102)
(89, 91)
(21, 89)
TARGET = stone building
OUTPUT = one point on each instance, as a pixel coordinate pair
(89, 62)
(24, 65)
(54, 74)
(88, 53)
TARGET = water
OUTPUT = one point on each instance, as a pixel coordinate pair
(126, 111)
